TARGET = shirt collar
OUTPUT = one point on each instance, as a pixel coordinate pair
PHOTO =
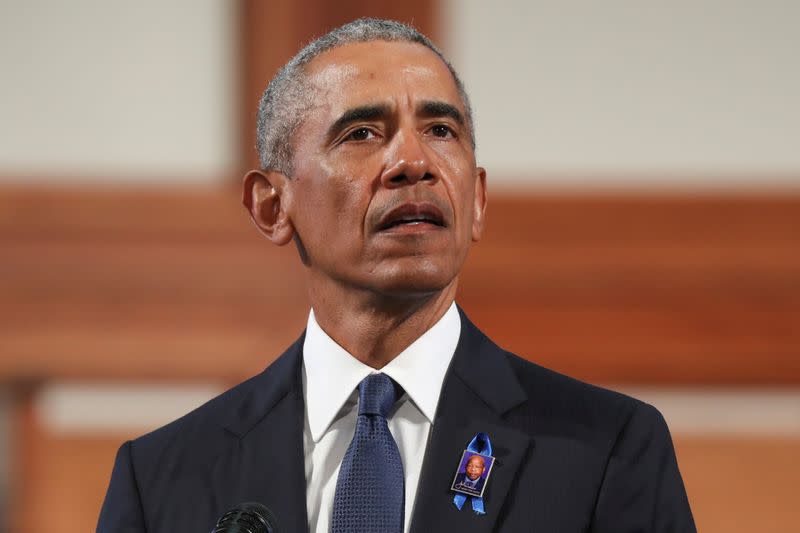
(332, 374)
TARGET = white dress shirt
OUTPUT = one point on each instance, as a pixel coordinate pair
(330, 380)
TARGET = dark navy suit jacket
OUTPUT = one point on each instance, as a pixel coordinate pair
(570, 457)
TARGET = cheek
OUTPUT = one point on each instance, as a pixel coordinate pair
(347, 205)
(453, 160)
(333, 208)
(459, 166)
(348, 184)
(463, 198)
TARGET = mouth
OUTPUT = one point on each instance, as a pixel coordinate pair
(413, 217)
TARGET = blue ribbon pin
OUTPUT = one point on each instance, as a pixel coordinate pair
(480, 444)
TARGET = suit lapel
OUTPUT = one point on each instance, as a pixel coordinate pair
(269, 460)
(480, 394)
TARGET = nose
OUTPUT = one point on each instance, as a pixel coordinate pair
(408, 162)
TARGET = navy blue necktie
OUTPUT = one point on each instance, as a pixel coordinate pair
(370, 490)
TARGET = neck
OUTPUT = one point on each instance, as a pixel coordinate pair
(377, 328)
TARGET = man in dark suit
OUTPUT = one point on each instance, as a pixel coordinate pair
(368, 167)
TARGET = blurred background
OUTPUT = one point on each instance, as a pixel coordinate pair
(644, 223)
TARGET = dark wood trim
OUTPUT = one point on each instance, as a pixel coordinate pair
(25, 470)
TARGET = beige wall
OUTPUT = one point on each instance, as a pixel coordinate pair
(613, 93)
(689, 93)
(107, 90)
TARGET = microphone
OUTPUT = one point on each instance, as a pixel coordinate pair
(247, 517)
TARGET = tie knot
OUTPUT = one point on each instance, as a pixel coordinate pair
(377, 394)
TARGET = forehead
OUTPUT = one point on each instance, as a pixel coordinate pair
(394, 72)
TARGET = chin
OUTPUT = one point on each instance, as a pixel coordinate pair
(418, 279)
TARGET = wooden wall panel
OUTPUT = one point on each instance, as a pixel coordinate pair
(626, 289)
(741, 485)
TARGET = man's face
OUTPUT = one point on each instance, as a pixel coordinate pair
(475, 467)
(385, 194)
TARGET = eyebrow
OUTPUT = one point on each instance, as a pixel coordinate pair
(434, 109)
(356, 114)
(429, 108)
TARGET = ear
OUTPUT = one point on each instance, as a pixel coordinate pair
(479, 209)
(265, 196)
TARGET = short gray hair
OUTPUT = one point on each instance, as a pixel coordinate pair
(287, 97)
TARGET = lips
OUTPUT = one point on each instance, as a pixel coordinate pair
(412, 214)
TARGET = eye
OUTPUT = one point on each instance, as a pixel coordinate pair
(360, 134)
(442, 131)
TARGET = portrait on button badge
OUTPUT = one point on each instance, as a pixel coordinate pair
(472, 474)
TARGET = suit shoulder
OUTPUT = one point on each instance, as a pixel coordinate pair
(564, 401)
(208, 426)
(198, 420)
